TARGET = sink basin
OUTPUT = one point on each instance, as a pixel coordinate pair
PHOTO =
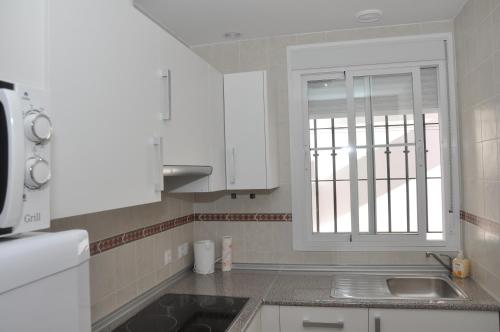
(423, 288)
(394, 287)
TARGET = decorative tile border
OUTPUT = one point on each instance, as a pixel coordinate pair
(137, 234)
(483, 223)
(141, 233)
(244, 217)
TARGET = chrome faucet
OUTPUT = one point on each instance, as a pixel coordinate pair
(448, 266)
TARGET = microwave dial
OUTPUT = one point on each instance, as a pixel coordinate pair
(37, 126)
(37, 172)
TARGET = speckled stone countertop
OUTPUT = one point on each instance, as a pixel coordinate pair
(310, 289)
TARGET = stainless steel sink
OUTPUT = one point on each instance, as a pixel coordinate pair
(393, 287)
(424, 288)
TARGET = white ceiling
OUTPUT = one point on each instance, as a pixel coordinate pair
(205, 21)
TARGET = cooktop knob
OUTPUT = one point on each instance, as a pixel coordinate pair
(37, 172)
(37, 126)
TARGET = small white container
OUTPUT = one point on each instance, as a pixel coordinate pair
(204, 257)
(227, 253)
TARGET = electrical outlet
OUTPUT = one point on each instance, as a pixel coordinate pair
(182, 250)
(167, 257)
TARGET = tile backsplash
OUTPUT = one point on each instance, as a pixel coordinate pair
(127, 270)
(477, 38)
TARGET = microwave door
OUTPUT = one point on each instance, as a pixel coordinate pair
(12, 157)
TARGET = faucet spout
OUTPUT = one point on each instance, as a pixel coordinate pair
(448, 266)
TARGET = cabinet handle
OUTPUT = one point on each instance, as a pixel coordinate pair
(377, 324)
(337, 325)
(232, 168)
(158, 146)
(166, 76)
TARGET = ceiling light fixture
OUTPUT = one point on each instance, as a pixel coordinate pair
(369, 16)
(232, 35)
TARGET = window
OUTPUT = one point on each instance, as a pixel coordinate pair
(377, 159)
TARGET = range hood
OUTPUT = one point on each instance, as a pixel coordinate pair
(186, 170)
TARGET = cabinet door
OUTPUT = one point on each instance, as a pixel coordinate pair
(23, 51)
(389, 320)
(194, 133)
(316, 319)
(105, 92)
(186, 132)
(255, 324)
(270, 318)
(244, 101)
(215, 132)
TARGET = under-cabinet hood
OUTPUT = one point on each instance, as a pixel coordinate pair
(186, 170)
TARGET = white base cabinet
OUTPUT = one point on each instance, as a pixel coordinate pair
(321, 319)
(401, 320)
(269, 316)
(300, 319)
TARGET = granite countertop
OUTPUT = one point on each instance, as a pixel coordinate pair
(310, 289)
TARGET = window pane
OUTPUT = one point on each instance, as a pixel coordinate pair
(360, 130)
(325, 165)
(324, 123)
(314, 210)
(313, 165)
(341, 137)
(363, 206)
(329, 164)
(398, 206)
(413, 205)
(326, 216)
(342, 164)
(379, 134)
(433, 148)
(362, 164)
(385, 150)
(433, 173)
(343, 207)
(324, 138)
(380, 163)
(382, 206)
(434, 205)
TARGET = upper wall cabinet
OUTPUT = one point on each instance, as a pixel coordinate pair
(193, 127)
(23, 32)
(106, 92)
(251, 145)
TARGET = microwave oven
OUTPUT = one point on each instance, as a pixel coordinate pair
(25, 134)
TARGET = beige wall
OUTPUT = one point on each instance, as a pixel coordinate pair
(477, 33)
(272, 242)
(120, 274)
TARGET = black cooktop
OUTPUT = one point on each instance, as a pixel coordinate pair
(185, 313)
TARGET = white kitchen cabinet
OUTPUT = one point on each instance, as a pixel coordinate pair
(319, 319)
(105, 93)
(255, 324)
(23, 49)
(194, 132)
(251, 145)
(397, 320)
(270, 318)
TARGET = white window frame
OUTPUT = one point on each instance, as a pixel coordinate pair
(303, 236)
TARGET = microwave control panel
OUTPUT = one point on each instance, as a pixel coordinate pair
(37, 172)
